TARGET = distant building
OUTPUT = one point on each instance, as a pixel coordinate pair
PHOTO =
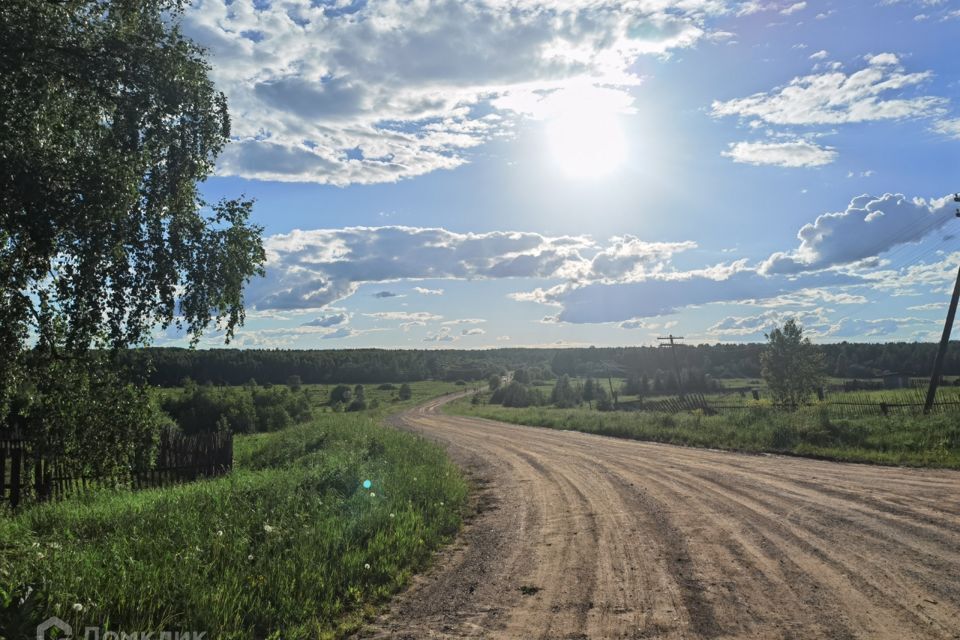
(895, 380)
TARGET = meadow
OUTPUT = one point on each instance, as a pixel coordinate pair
(316, 525)
(818, 430)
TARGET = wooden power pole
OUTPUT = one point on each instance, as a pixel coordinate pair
(676, 363)
(944, 339)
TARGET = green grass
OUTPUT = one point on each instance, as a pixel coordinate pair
(290, 545)
(932, 441)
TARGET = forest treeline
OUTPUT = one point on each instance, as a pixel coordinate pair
(171, 366)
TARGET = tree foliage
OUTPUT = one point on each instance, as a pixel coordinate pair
(792, 366)
(108, 120)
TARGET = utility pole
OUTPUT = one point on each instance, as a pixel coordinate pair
(676, 363)
(944, 339)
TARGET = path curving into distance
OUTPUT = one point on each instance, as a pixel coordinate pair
(583, 536)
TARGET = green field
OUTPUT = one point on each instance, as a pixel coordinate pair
(290, 545)
(901, 439)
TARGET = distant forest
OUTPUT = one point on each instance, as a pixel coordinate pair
(170, 366)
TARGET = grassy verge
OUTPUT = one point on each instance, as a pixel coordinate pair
(932, 441)
(290, 545)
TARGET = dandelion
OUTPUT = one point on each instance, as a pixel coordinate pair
(366, 566)
(250, 557)
(77, 607)
(220, 533)
(391, 516)
(373, 495)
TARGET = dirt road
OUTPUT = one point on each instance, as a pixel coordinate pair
(581, 536)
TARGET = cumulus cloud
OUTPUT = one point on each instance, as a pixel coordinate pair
(476, 331)
(797, 153)
(666, 293)
(741, 326)
(327, 321)
(834, 97)
(310, 269)
(386, 294)
(629, 258)
(443, 335)
(381, 90)
(867, 228)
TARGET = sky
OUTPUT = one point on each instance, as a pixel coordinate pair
(597, 172)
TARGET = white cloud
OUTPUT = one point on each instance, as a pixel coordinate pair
(866, 229)
(629, 258)
(443, 335)
(666, 293)
(476, 331)
(464, 321)
(834, 97)
(416, 316)
(949, 127)
(819, 55)
(741, 326)
(380, 90)
(311, 269)
(793, 8)
(428, 292)
(797, 153)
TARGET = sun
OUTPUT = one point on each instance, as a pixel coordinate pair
(585, 137)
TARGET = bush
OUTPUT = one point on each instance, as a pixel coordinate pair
(405, 392)
(241, 409)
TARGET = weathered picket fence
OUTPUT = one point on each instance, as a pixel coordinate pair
(180, 458)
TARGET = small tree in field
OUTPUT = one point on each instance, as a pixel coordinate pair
(405, 392)
(791, 365)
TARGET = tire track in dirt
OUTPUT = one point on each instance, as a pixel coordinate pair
(580, 536)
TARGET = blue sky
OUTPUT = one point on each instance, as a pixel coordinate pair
(544, 172)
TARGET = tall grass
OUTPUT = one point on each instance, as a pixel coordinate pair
(290, 545)
(811, 431)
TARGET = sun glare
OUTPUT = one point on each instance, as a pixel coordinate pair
(584, 135)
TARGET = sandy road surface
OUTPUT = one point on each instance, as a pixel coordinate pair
(622, 539)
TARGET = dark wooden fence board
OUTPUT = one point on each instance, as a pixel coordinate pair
(180, 458)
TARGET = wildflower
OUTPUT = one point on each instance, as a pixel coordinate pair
(220, 533)
(391, 515)
(250, 557)
(54, 545)
(373, 495)
(366, 566)
(77, 607)
(269, 529)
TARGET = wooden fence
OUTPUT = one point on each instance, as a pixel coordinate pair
(179, 459)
